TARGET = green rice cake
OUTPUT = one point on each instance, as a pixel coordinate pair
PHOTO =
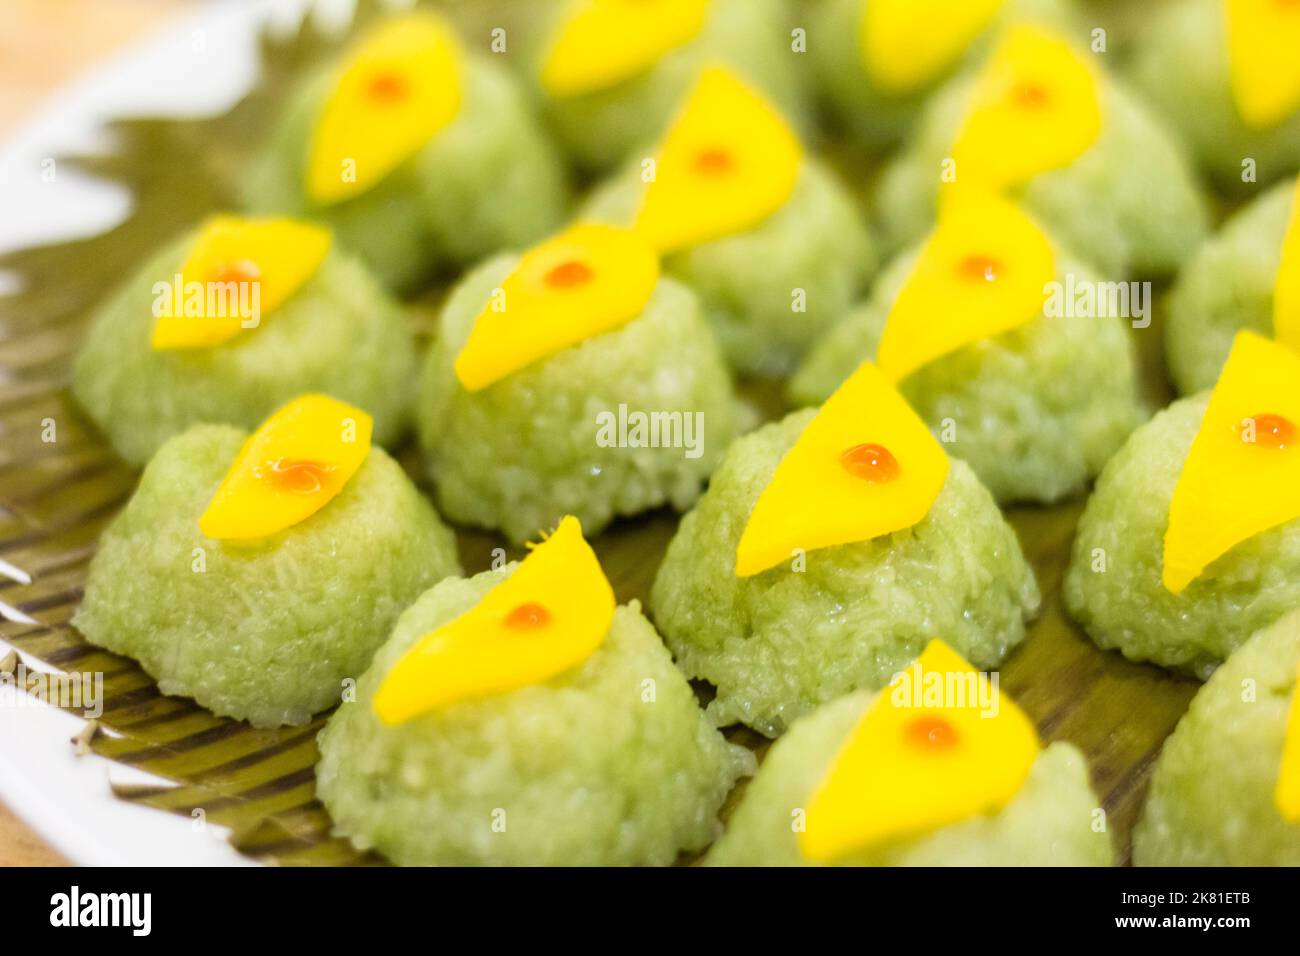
(749, 283)
(1129, 204)
(561, 436)
(783, 641)
(1048, 823)
(611, 763)
(1211, 799)
(489, 179)
(860, 106)
(1181, 67)
(338, 333)
(264, 631)
(1114, 587)
(1226, 287)
(1036, 411)
(601, 128)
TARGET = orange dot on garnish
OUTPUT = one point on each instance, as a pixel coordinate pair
(931, 732)
(976, 268)
(870, 463)
(242, 270)
(713, 162)
(296, 476)
(1030, 95)
(527, 617)
(388, 88)
(568, 274)
(1273, 431)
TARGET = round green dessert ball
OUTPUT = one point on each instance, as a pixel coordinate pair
(267, 630)
(621, 423)
(1049, 822)
(1113, 586)
(1181, 67)
(1036, 411)
(858, 104)
(1227, 287)
(1211, 800)
(600, 129)
(779, 643)
(1129, 204)
(770, 291)
(611, 763)
(489, 179)
(339, 333)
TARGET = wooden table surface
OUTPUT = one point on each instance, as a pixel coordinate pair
(44, 44)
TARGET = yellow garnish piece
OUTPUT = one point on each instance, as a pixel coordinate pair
(981, 272)
(235, 268)
(600, 43)
(1035, 107)
(1287, 794)
(938, 746)
(1242, 474)
(1263, 41)
(906, 44)
(1286, 293)
(547, 617)
(728, 161)
(398, 87)
(865, 466)
(290, 468)
(587, 280)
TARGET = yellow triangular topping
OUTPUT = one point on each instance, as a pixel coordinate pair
(1264, 59)
(1242, 474)
(1034, 108)
(981, 273)
(398, 87)
(587, 280)
(237, 272)
(1287, 794)
(865, 466)
(290, 468)
(907, 44)
(728, 162)
(602, 42)
(938, 746)
(1286, 294)
(547, 617)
